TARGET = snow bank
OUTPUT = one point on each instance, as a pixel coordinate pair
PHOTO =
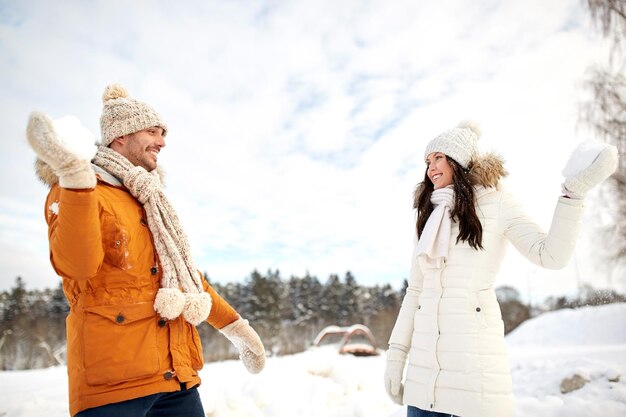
(599, 325)
(590, 342)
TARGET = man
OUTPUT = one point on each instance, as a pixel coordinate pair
(135, 295)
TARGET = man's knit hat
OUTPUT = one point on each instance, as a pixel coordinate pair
(122, 115)
(459, 143)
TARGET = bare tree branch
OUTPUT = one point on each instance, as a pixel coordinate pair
(605, 115)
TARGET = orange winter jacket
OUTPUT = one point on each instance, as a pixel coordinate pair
(118, 348)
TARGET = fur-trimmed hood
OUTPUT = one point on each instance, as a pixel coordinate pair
(487, 170)
(47, 176)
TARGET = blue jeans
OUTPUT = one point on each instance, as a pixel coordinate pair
(168, 404)
(416, 412)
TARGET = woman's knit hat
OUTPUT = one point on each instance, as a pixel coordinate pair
(459, 143)
(122, 115)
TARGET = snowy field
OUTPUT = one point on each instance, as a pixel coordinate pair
(589, 341)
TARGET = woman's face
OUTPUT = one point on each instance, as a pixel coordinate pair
(439, 170)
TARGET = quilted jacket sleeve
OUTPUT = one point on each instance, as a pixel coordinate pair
(222, 313)
(403, 329)
(552, 250)
(74, 232)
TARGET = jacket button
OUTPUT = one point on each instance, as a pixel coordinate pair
(431, 406)
(162, 322)
(419, 307)
(154, 270)
(478, 309)
(168, 375)
(119, 318)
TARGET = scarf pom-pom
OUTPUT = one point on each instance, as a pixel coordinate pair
(169, 303)
(197, 308)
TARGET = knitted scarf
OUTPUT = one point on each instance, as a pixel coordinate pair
(434, 242)
(181, 289)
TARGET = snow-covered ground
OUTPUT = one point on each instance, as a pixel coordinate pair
(589, 341)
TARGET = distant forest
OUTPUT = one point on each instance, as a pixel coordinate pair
(287, 314)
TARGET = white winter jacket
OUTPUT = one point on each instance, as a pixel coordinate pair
(450, 321)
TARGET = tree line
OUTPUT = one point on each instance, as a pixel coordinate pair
(287, 314)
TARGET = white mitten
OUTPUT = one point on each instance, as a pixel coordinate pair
(396, 359)
(248, 343)
(588, 165)
(66, 146)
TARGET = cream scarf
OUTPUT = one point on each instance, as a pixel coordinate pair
(181, 289)
(434, 242)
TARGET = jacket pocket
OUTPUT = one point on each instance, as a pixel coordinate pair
(119, 343)
(195, 347)
(115, 240)
(478, 308)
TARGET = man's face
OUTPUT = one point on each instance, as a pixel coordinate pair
(141, 148)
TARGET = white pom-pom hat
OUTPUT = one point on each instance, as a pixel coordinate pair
(123, 115)
(460, 143)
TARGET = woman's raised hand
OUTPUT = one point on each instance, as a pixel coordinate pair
(588, 165)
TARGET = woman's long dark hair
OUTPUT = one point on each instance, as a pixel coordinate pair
(463, 211)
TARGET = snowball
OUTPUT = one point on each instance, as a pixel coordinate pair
(582, 157)
(76, 137)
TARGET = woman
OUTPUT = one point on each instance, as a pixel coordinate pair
(450, 323)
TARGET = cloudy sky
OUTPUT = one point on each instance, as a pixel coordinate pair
(296, 128)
